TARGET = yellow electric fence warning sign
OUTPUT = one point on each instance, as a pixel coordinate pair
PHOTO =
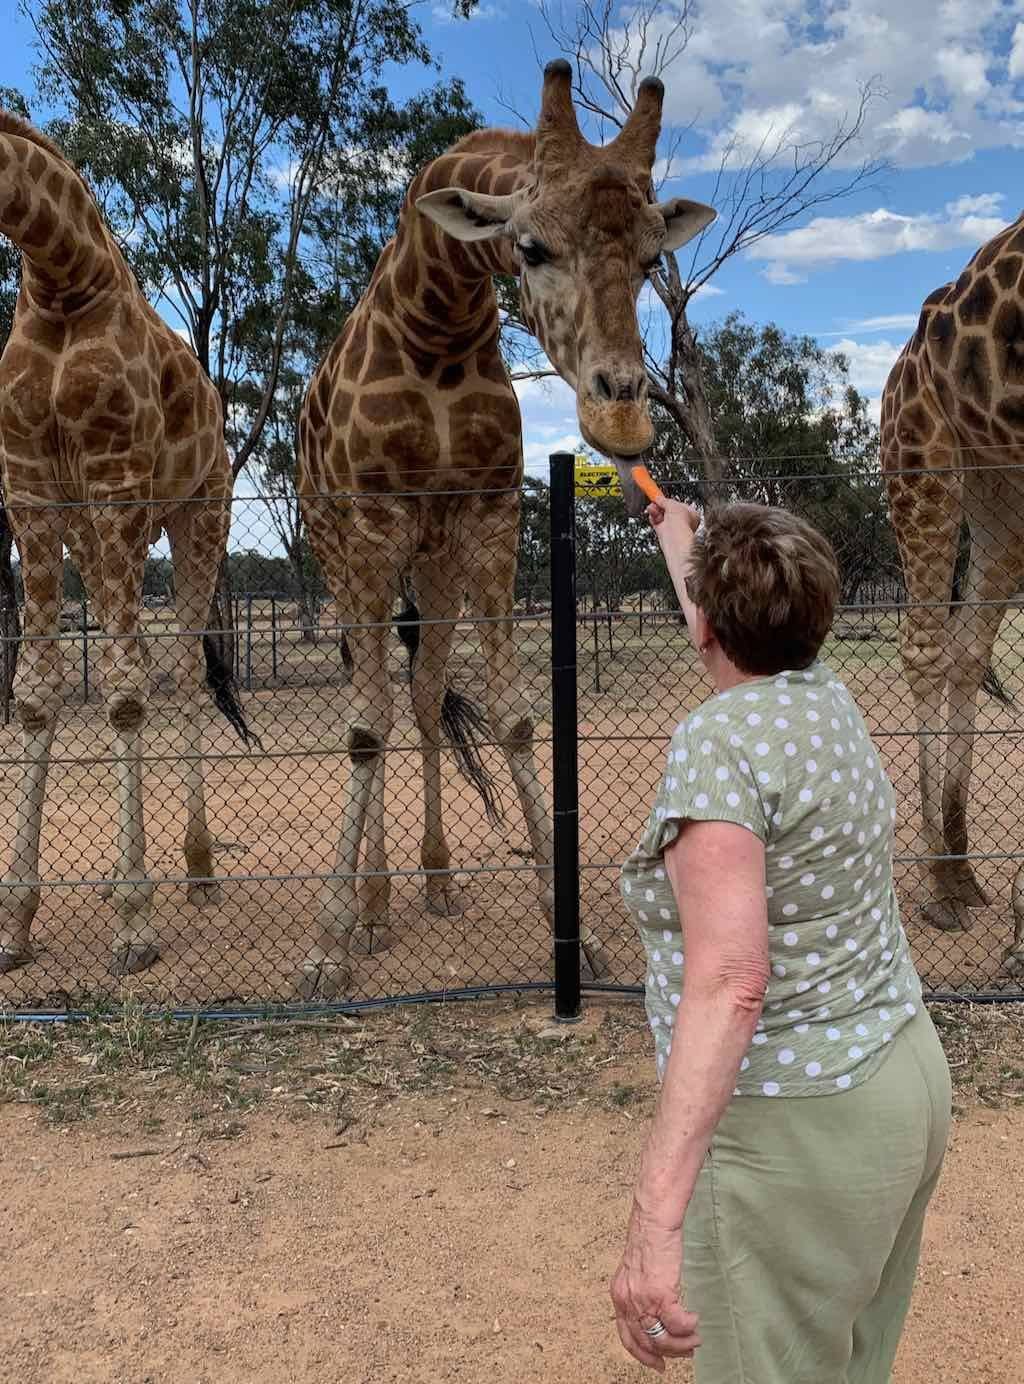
(595, 477)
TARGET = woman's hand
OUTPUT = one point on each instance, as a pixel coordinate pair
(674, 523)
(645, 1290)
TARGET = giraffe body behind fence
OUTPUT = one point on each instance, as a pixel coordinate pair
(110, 432)
(410, 447)
(952, 435)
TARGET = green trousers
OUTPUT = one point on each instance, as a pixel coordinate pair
(802, 1237)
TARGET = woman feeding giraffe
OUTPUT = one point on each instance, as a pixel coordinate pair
(805, 1099)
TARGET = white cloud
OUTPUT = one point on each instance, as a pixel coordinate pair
(1016, 65)
(946, 73)
(779, 274)
(964, 73)
(536, 452)
(888, 322)
(870, 362)
(872, 235)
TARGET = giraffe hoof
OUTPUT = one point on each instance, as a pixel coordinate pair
(594, 962)
(11, 960)
(972, 895)
(130, 960)
(370, 940)
(323, 980)
(445, 903)
(947, 915)
(1013, 961)
(202, 893)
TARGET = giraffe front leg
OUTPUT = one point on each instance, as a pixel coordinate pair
(439, 595)
(39, 696)
(1013, 961)
(198, 535)
(927, 529)
(326, 970)
(122, 533)
(373, 935)
(512, 722)
(993, 576)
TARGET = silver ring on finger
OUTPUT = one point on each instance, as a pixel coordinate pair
(657, 1328)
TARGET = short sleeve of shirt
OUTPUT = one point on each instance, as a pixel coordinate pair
(711, 775)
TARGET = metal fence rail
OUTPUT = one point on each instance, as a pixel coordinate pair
(606, 672)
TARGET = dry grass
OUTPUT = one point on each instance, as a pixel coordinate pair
(346, 1070)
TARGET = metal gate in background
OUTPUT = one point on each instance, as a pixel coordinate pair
(607, 671)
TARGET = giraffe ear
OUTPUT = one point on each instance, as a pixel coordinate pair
(467, 215)
(683, 220)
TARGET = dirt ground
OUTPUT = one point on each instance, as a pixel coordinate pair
(422, 1196)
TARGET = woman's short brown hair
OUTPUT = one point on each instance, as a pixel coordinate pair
(768, 583)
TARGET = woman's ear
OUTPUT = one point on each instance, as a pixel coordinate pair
(705, 635)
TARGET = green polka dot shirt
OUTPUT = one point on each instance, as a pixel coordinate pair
(789, 758)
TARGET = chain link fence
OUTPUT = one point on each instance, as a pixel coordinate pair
(327, 878)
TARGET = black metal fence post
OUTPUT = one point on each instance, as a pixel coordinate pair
(564, 734)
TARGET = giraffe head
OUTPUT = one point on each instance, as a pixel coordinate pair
(584, 233)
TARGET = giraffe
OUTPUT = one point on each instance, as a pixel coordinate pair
(110, 433)
(952, 445)
(411, 413)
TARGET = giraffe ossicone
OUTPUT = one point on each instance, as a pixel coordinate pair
(411, 459)
(110, 431)
(952, 444)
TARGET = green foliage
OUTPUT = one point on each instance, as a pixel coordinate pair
(533, 574)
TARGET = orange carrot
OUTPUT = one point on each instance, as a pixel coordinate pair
(648, 485)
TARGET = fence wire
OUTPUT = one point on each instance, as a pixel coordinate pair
(287, 850)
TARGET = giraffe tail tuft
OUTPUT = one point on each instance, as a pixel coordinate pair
(464, 723)
(991, 684)
(225, 693)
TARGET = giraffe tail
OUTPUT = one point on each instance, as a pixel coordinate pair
(225, 693)
(991, 684)
(407, 627)
(462, 720)
(465, 723)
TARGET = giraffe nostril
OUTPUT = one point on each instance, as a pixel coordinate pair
(601, 387)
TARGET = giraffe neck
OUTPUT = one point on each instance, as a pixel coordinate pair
(439, 290)
(70, 259)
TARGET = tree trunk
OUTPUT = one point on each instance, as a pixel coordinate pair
(304, 601)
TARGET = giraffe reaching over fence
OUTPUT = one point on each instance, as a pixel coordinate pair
(110, 432)
(411, 416)
(953, 449)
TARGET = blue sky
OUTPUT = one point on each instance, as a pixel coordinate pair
(949, 118)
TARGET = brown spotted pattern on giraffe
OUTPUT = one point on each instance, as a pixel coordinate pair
(1007, 270)
(941, 337)
(975, 305)
(479, 427)
(1008, 338)
(386, 358)
(972, 370)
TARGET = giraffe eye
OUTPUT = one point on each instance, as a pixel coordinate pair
(652, 265)
(533, 252)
